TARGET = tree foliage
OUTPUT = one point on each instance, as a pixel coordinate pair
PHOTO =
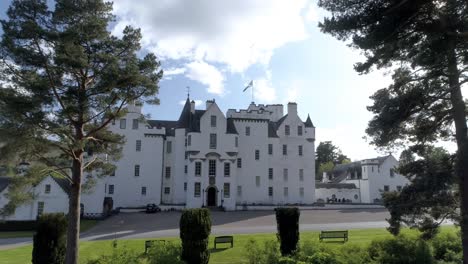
(64, 78)
(327, 153)
(424, 43)
(49, 239)
(430, 198)
(287, 222)
(195, 229)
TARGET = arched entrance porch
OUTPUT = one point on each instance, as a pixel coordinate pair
(211, 196)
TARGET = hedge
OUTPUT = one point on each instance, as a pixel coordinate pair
(287, 220)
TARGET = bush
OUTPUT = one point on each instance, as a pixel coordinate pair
(447, 247)
(353, 254)
(165, 253)
(322, 258)
(400, 250)
(118, 256)
(255, 254)
(28, 225)
(287, 220)
(195, 229)
(49, 242)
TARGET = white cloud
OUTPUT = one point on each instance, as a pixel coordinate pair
(208, 75)
(236, 33)
(311, 14)
(174, 71)
(263, 90)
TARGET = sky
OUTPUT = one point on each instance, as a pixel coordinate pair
(217, 47)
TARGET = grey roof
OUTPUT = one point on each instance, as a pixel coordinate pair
(64, 183)
(169, 125)
(340, 171)
(280, 121)
(230, 127)
(308, 122)
(335, 185)
(4, 182)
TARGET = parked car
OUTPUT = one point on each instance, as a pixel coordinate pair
(152, 208)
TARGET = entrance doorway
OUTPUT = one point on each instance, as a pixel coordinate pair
(211, 196)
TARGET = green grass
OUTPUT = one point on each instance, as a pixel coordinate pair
(85, 225)
(93, 249)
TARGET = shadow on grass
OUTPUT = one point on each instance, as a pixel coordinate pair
(212, 250)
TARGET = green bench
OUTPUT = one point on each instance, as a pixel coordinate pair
(150, 243)
(224, 239)
(342, 234)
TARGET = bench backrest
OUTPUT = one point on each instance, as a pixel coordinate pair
(334, 233)
(224, 239)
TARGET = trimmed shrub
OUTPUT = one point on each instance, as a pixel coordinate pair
(400, 249)
(195, 229)
(49, 242)
(6, 226)
(287, 221)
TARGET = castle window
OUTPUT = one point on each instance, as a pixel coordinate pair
(123, 123)
(285, 175)
(299, 130)
(189, 137)
(197, 168)
(386, 188)
(185, 169)
(169, 147)
(236, 142)
(213, 121)
(300, 150)
(135, 124)
(285, 150)
(212, 141)
(270, 173)
(212, 168)
(301, 191)
(270, 191)
(167, 190)
(257, 154)
(143, 190)
(227, 190)
(392, 172)
(168, 172)
(285, 191)
(257, 181)
(197, 189)
(111, 189)
(239, 163)
(287, 130)
(301, 174)
(270, 149)
(185, 186)
(247, 131)
(138, 145)
(40, 208)
(47, 188)
(227, 169)
(137, 170)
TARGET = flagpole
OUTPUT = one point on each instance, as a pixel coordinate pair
(252, 92)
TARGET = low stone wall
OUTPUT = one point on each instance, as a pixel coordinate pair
(309, 207)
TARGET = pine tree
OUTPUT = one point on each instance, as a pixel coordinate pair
(425, 43)
(64, 80)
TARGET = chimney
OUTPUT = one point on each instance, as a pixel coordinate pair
(292, 109)
(209, 103)
(192, 107)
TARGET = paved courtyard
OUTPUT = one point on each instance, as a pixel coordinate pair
(166, 224)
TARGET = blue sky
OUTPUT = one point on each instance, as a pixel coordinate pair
(217, 47)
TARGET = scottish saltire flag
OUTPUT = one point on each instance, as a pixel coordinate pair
(248, 86)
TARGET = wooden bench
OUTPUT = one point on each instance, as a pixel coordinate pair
(224, 239)
(334, 235)
(150, 243)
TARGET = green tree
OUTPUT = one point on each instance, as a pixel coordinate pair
(327, 152)
(326, 167)
(425, 43)
(64, 79)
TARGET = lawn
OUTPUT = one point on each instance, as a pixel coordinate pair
(85, 225)
(93, 249)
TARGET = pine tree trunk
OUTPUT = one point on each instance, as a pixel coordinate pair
(459, 116)
(73, 231)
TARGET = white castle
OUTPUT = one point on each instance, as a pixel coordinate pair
(207, 158)
(256, 156)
